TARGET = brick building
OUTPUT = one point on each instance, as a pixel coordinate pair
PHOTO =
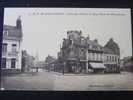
(80, 54)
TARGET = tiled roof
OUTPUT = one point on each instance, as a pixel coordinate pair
(113, 46)
(13, 31)
(107, 50)
(91, 42)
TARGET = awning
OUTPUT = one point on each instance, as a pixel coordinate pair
(97, 65)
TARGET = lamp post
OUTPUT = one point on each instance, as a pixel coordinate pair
(64, 64)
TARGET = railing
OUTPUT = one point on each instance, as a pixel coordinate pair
(15, 53)
(4, 53)
(10, 53)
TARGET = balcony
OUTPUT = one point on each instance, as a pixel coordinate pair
(4, 53)
(12, 53)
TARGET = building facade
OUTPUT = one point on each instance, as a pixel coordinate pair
(27, 61)
(11, 47)
(50, 63)
(127, 63)
(80, 54)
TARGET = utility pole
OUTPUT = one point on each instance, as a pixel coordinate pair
(64, 64)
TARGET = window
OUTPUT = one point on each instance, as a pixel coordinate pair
(13, 62)
(107, 58)
(71, 42)
(118, 60)
(110, 58)
(99, 48)
(14, 47)
(93, 56)
(82, 52)
(5, 32)
(88, 45)
(100, 57)
(115, 58)
(4, 47)
(3, 63)
(88, 56)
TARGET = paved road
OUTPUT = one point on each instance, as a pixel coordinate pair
(69, 82)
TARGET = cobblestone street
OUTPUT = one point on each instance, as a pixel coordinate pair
(68, 82)
(28, 81)
(92, 82)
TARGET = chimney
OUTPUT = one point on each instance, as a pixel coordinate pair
(18, 23)
(96, 40)
(88, 37)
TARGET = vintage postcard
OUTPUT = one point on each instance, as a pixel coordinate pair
(67, 49)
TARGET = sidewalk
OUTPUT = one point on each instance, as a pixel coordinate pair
(76, 74)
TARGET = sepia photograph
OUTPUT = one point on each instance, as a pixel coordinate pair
(67, 49)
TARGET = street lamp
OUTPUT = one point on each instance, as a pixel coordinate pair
(64, 67)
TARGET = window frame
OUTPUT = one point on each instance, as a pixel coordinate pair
(4, 45)
(3, 62)
(13, 63)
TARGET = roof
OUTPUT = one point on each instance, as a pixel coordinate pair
(94, 43)
(13, 31)
(111, 44)
(86, 42)
(107, 50)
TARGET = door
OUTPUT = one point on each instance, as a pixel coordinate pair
(3, 63)
(13, 63)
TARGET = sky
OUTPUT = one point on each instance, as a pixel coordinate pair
(45, 28)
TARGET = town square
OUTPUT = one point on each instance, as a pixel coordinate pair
(69, 49)
(51, 81)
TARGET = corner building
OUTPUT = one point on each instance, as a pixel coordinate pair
(80, 54)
